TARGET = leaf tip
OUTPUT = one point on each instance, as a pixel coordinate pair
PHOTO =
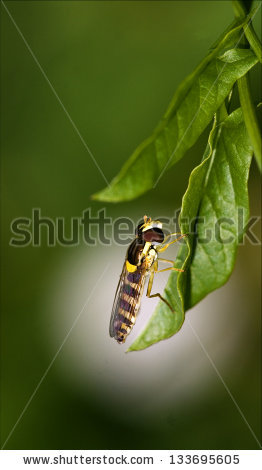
(102, 195)
(134, 347)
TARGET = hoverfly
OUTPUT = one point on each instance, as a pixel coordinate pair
(141, 261)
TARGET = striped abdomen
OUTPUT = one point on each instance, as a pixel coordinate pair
(128, 304)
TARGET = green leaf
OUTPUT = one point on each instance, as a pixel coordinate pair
(225, 208)
(188, 114)
(163, 323)
(217, 190)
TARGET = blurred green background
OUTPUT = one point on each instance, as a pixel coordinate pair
(114, 66)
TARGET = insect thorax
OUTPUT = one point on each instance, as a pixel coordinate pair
(140, 253)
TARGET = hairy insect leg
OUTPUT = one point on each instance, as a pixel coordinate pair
(149, 288)
(163, 248)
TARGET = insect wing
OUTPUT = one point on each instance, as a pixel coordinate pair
(117, 300)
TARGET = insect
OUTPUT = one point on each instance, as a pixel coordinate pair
(141, 261)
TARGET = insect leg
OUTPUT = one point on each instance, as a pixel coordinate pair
(149, 288)
(171, 262)
(165, 260)
(171, 235)
(169, 269)
(163, 248)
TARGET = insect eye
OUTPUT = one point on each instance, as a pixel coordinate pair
(154, 235)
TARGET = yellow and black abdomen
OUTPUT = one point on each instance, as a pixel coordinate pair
(129, 292)
(127, 304)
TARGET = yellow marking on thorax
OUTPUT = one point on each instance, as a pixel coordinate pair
(146, 248)
(150, 259)
(130, 267)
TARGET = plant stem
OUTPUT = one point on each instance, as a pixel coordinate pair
(253, 41)
(250, 117)
(239, 9)
(248, 29)
(249, 113)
